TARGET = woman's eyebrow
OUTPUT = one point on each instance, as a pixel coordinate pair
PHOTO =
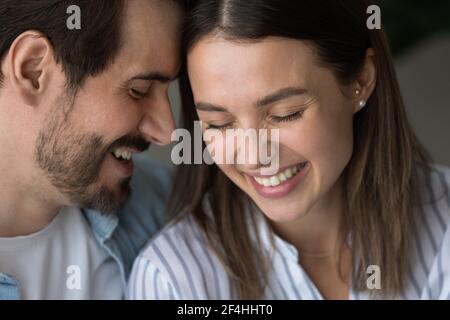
(278, 95)
(281, 94)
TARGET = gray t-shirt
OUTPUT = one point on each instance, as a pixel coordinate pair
(62, 261)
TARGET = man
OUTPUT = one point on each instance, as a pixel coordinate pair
(75, 105)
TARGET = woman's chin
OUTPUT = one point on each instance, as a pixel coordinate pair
(282, 214)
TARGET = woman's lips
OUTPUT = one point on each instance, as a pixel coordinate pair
(279, 188)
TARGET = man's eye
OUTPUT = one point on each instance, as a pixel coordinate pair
(290, 117)
(136, 94)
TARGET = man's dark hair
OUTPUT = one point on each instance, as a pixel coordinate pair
(82, 53)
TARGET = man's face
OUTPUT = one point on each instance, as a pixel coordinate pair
(86, 141)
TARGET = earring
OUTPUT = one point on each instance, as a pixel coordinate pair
(362, 103)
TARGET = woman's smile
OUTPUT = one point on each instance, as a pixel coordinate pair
(280, 184)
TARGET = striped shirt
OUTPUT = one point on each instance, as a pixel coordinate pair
(178, 263)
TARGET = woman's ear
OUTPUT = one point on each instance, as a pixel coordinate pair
(366, 80)
(29, 64)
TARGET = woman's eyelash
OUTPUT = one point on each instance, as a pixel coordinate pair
(279, 119)
(290, 117)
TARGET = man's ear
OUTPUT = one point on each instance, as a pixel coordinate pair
(29, 65)
(366, 80)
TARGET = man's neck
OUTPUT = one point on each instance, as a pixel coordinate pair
(24, 210)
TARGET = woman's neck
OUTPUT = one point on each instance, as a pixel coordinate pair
(320, 232)
(320, 238)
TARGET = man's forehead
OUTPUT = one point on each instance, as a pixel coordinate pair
(151, 18)
(151, 36)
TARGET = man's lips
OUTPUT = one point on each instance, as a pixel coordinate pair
(122, 157)
(134, 144)
(124, 167)
(125, 153)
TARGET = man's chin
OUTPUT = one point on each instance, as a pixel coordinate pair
(108, 201)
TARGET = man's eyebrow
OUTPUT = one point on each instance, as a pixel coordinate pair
(281, 95)
(154, 76)
(203, 106)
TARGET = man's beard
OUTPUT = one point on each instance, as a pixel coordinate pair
(73, 161)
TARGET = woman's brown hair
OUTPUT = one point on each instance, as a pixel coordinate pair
(381, 180)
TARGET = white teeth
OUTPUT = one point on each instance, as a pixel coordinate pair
(122, 153)
(288, 173)
(274, 181)
(280, 177)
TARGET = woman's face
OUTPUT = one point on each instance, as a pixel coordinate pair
(277, 83)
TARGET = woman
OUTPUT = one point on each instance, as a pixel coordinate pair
(355, 210)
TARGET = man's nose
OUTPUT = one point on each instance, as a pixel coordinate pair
(158, 122)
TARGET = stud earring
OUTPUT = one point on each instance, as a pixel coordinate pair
(362, 104)
(357, 92)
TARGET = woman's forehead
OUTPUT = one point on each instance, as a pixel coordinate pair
(218, 64)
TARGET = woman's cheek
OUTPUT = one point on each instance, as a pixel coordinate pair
(299, 141)
(331, 149)
(326, 143)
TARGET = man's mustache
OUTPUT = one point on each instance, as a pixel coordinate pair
(132, 142)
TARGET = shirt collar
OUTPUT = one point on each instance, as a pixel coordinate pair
(102, 224)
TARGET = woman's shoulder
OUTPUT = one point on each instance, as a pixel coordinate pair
(436, 194)
(431, 246)
(440, 173)
(178, 262)
(183, 231)
(434, 219)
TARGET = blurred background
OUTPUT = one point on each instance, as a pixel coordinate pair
(419, 33)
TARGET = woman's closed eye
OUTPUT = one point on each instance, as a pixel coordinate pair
(278, 119)
(287, 118)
